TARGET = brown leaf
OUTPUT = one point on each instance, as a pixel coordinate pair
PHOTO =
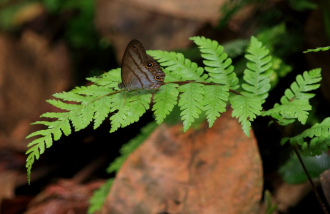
(64, 197)
(211, 170)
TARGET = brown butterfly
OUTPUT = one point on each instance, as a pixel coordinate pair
(139, 70)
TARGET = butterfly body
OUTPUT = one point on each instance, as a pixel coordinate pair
(139, 70)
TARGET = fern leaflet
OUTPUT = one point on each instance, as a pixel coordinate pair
(215, 102)
(180, 68)
(131, 106)
(295, 102)
(165, 100)
(190, 103)
(98, 199)
(319, 134)
(248, 104)
(218, 64)
(318, 49)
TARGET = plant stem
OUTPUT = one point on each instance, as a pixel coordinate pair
(322, 204)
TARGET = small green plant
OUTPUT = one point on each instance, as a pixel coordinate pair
(196, 90)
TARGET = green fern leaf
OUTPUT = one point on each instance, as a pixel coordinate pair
(93, 90)
(39, 132)
(215, 101)
(319, 134)
(102, 109)
(248, 104)
(304, 83)
(85, 117)
(294, 109)
(246, 108)
(130, 108)
(38, 148)
(70, 96)
(110, 79)
(181, 68)
(165, 100)
(62, 105)
(191, 103)
(64, 125)
(257, 75)
(295, 102)
(218, 64)
(55, 114)
(99, 197)
(318, 49)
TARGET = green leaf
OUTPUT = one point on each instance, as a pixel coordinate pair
(295, 102)
(102, 109)
(181, 68)
(215, 101)
(110, 79)
(165, 100)
(294, 109)
(319, 134)
(246, 109)
(191, 103)
(63, 105)
(218, 64)
(257, 75)
(99, 197)
(130, 109)
(318, 49)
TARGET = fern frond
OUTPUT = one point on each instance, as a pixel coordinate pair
(165, 100)
(109, 79)
(93, 90)
(295, 102)
(215, 101)
(62, 105)
(217, 62)
(83, 118)
(296, 109)
(37, 146)
(99, 197)
(191, 103)
(246, 108)
(248, 104)
(131, 106)
(318, 49)
(257, 75)
(90, 103)
(102, 109)
(70, 96)
(180, 67)
(319, 135)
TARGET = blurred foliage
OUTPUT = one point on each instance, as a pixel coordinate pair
(98, 199)
(65, 20)
(292, 171)
(81, 29)
(281, 27)
(270, 206)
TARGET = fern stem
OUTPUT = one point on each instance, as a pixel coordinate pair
(204, 83)
(323, 205)
(192, 81)
(325, 208)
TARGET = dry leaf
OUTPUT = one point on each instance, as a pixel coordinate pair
(211, 170)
